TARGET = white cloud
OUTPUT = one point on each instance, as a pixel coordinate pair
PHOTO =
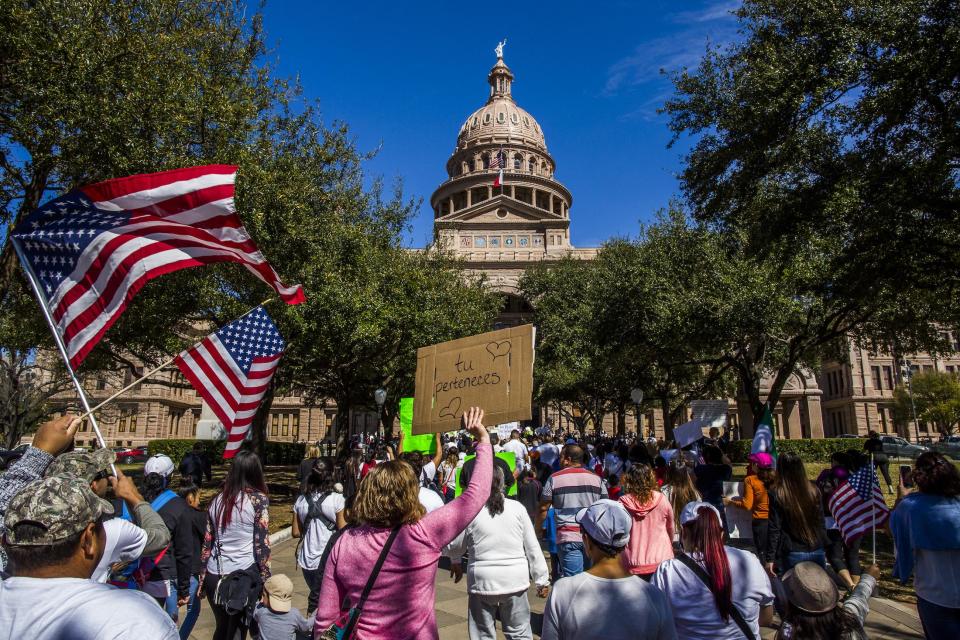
(713, 24)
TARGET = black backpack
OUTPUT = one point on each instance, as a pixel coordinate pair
(314, 512)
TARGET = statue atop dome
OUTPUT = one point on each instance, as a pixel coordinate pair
(499, 48)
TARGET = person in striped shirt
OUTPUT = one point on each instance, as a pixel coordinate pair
(567, 491)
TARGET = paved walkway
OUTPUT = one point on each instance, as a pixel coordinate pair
(887, 619)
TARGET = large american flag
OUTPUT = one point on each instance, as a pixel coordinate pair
(858, 504)
(94, 248)
(499, 162)
(232, 368)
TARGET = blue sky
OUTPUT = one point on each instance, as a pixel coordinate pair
(405, 76)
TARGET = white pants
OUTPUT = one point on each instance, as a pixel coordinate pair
(512, 609)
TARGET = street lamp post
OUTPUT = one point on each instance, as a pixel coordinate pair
(380, 396)
(908, 377)
(637, 396)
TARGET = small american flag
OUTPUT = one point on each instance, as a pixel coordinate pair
(94, 248)
(232, 368)
(858, 504)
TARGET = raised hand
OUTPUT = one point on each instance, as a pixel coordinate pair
(473, 422)
(55, 436)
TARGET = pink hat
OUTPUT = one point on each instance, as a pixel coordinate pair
(761, 460)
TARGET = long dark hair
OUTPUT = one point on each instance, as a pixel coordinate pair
(799, 499)
(245, 475)
(936, 475)
(495, 501)
(837, 623)
(705, 536)
(320, 478)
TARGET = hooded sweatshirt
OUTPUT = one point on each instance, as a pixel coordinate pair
(651, 537)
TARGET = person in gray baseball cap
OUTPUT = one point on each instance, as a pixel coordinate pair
(571, 610)
(54, 539)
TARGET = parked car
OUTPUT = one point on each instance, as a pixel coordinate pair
(9, 456)
(130, 456)
(949, 447)
(896, 446)
(851, 436)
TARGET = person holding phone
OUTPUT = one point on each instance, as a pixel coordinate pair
(925, 524)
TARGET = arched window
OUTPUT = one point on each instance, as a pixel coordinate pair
(517, 162)
(531, 165)
(470, 165)
(543, 168)
(486, 160)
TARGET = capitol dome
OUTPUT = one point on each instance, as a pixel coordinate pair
(500, 120)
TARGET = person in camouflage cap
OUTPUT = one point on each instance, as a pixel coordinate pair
(94, 467)
(51, 511)
(54, 538)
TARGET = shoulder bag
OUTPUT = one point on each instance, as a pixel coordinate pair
(343, 629)
(698, 571)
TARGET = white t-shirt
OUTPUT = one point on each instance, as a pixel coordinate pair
(428, 472)
(519, 450)
(585, 607)
(236, 540)
(430, 499)
(317, 536)
(78, 609)
(504, 552)
(124, 543)
(448, 475)
(549, 453)
(692, 603)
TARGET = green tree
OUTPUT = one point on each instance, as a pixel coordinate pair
(936, 399)
(836, 126)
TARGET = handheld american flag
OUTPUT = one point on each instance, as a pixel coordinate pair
(232, 368)
(94, 248)
(858, 505)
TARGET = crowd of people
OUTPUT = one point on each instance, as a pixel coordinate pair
(622, 537)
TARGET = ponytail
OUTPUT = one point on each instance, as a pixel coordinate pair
(705, 536)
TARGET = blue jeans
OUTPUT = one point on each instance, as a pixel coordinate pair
(796, 557)
(193, 609)
(573, 559)
(169, 603)
(939, 623)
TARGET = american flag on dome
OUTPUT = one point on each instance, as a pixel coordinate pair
(858, 505)
(91, 250)
(232, 368)
(499, 162)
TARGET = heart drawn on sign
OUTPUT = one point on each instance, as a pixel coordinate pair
(499, 349)
(452, 408)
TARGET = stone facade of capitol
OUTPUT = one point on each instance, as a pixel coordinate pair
(500, 231)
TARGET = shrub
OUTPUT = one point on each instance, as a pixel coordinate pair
(809, 450)
(277, 453)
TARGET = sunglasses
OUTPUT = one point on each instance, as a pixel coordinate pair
(103, 475)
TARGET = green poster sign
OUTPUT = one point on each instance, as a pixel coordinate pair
(507, 456)
(426, 443)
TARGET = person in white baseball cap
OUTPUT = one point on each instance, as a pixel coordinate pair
(169, 577)
(715, 592)
(571, 610)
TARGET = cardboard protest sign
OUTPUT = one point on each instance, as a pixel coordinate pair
(507, 456)
(427, 443)
(739, 520)
(711, 412)
(688, 432)
(492, 370)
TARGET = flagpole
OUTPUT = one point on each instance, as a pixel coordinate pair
(129, 386)
(873, 506)
(38, 292)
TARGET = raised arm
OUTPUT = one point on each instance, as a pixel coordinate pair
(443, 525)
(438, 455)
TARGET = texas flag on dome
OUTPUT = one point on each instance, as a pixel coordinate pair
(91, 250)
(499, 162)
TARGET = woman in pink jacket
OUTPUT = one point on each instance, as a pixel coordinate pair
(651, 537)
(400, 605)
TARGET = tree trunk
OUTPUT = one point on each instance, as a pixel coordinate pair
(259, 425)
(387, 417)
(622, 421)
(341, 427)
(667, 417)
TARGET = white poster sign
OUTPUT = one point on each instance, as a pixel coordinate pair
(504, 430)
(689, 432)
(739, 521)
(711, 412)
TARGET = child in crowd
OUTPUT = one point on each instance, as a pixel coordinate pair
(550, 526)
(614, 490)
(276, 617)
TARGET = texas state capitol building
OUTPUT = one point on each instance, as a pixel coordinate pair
(500, 231)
